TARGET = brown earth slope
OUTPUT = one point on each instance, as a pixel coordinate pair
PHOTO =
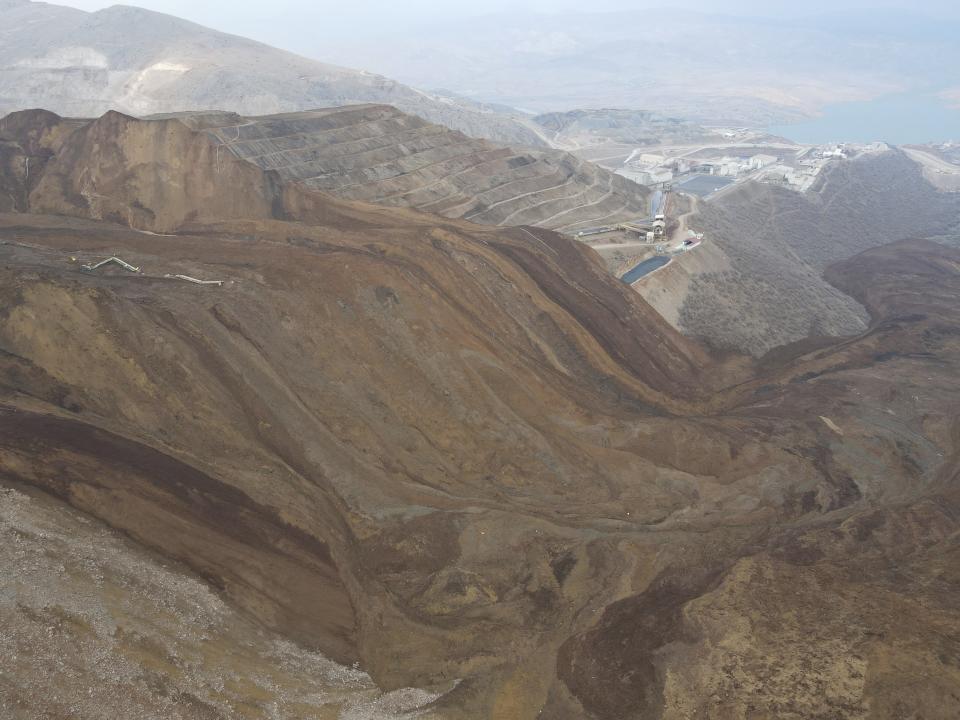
(463, 457)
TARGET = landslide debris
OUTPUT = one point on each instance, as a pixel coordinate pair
(463, 457)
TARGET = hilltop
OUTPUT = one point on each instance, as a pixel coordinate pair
(141, 62)
(377, 154)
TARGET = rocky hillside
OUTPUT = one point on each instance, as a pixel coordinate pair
(397, 463)
(758, 282)
(140, 62)
(378, 154)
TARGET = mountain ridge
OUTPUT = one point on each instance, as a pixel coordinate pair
(141, 62)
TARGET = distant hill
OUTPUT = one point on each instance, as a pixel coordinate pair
(577, 128)
(759, 281)
(141, 62)
(718, 67)
(375, 153)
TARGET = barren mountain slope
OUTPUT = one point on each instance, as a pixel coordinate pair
(141, 62)
(377, 154)
(464, 457)
(583, 128)
(759, 283)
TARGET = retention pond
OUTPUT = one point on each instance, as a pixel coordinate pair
(645, 268)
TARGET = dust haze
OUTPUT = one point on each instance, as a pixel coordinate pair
(502, 361)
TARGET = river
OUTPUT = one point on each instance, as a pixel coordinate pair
(898, 119)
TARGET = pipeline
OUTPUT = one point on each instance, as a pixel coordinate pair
(218, 283)
(116, 260)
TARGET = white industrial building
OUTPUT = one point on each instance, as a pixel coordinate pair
(758, 162)
(730, 168)
(654, 176)
(652, 159)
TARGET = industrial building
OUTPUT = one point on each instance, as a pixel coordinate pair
(653, 176)
(760, 161)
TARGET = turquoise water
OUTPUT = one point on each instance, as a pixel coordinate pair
(704, 185)
(900, 119)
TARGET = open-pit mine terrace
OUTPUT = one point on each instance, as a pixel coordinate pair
(378, 154)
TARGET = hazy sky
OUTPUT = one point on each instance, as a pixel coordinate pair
(430, 9)
(303, 25)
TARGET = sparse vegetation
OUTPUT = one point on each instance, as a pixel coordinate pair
(780, 242)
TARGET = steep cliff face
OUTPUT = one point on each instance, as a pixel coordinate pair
(27, 141)
(148, 175)
(464, 457)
